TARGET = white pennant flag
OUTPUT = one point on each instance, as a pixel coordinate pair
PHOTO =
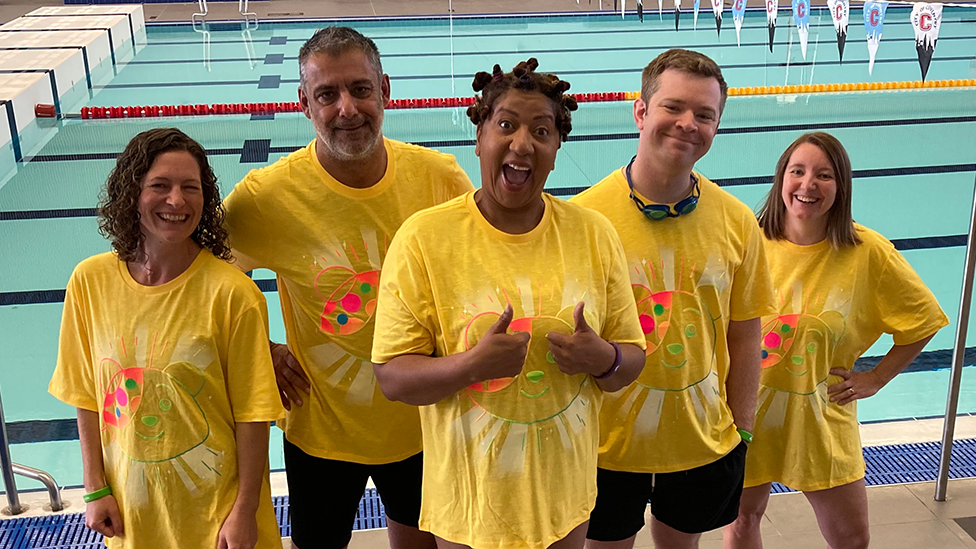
(660, 10)
(926, 20)
(840, 11)
(677, 13)
(717, 10)
(771, 8)
(697, 4)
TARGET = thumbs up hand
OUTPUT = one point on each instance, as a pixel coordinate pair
(498, 353)
(584, 352)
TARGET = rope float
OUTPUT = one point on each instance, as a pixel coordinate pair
(153, 111)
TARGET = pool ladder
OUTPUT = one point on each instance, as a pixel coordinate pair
(250, 18)
(10, 483)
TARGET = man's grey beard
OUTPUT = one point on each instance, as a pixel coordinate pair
(340, 150)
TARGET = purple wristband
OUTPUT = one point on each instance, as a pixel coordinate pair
(616, 363)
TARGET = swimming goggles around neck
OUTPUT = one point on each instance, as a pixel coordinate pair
(658, 212)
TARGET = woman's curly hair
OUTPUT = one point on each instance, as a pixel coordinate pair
(523, 77)
(118, 204)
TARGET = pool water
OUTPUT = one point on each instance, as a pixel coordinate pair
(915, 167)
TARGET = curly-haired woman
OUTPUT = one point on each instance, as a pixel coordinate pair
(481, 320)
(163, 351)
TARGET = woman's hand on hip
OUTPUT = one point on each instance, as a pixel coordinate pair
(855, 385)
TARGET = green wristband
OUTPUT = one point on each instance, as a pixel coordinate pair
(746, 435)
(98, 494)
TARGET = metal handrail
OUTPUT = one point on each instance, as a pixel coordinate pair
(204, 10)
(248, 15)
(45, 478)
(9, 469)
(958, 355)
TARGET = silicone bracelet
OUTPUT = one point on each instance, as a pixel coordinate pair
(746, 435)
(98, 494)
(616, 363)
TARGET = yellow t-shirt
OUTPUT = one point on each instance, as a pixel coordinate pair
(691, 275)
(832, 305)
(326, 242)
(508, 463)
(169, 369)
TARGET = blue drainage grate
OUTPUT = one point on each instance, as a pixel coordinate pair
(916, 462)
(69, 532)
(894, 464)
(56, 531)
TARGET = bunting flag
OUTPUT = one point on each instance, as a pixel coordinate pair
(926, 20)
(771, 8)
(623, 8)
(801, 16)
(677, 13)
(840, 11)
(660, 10)
(640, 10)
(874, 13)
(697, 4)
(738, 14)
(717, 10)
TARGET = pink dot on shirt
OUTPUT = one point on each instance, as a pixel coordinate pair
(772, 340)
(121, 397)
(351, 303)
(647, 323)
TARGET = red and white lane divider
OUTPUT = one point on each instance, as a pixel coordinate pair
(154, 111)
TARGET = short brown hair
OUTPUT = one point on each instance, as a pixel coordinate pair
(118, 205)
(687, 61)
(523, 77)
(840, 222)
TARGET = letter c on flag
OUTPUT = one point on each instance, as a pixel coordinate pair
(926, 22)
(738, 4)
(839, 12)
(770, 5)
(801, 9)
(875, 15)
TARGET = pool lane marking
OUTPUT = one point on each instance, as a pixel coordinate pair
(594, 137)
(912, 60)
(39, 297)
(151, 29)
(784, 43)
(66, 430)
(8, 106)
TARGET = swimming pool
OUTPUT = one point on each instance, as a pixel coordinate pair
(914, 176)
